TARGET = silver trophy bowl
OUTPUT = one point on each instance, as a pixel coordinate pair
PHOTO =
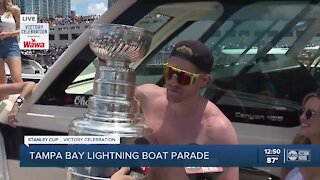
(122, 42)
(113, 110)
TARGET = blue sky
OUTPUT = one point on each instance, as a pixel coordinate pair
(89, 7)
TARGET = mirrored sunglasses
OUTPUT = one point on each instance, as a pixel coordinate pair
(184, 78)
(308, 113)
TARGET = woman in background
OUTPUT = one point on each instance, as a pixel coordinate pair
(289, 173)
(309, 134)
(25, 89)
(9, 48)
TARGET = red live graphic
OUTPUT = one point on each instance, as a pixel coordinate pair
(33, 44)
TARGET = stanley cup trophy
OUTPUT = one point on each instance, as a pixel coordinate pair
(113, 110)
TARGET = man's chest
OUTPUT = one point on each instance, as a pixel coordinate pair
(176, 131)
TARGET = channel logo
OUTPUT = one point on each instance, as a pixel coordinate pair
(298, 155)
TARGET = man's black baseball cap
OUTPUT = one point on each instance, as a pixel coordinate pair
(201, 56)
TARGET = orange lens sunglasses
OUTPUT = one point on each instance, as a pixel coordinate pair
(184, 78)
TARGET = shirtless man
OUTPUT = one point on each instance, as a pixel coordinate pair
(178, 114)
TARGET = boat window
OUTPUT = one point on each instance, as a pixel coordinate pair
(83, 84)
(256, 60)
(153, 22)
(194, 22)
(256, 75)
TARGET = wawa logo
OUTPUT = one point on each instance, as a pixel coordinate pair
(33, 44)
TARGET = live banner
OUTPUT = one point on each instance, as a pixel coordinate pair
(33, 35)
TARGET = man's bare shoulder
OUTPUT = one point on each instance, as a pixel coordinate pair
(219, 128)
(149, 87)
(149, 90)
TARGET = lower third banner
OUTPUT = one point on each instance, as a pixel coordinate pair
(169, 155)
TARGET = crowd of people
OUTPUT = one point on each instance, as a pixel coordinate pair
(46, 57)
(57, 21)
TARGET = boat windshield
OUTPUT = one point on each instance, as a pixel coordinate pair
(254, 45)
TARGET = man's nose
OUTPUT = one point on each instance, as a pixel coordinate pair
(174, 80)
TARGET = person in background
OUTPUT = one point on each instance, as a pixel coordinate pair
(293, 173)
(309, 116)
(9, 48)
(24, 88)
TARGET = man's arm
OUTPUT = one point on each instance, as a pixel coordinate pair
(146, 95)
(224, 133)
(229, 173)
(146, 92)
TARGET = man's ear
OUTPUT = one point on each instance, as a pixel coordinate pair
(205, 80)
